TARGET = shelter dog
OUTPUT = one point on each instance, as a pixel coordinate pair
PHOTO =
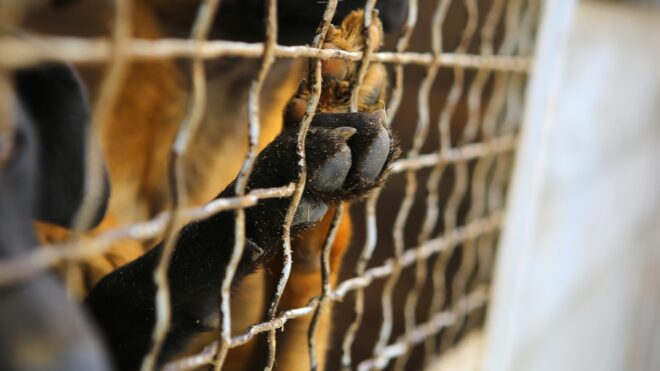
(347, 155)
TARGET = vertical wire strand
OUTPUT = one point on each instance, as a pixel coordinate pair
(401, 46)
(501, 96)
(477, 184)
(176, 175)
(432, 211)
(484, 165)
(460, 169)
(495, 198)
(315, 83)
(514, 103)
(502, 164)
(368, 25)
(470, 254)
(326, 286)
(363, 261)
(421, 132)
(105, 103)
(110, 86)
(254, 126)
(370, 217)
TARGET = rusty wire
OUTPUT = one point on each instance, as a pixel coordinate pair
(369, 26)
(109, 91)
(19, 268)
(315, 83)
(489, 139)
(365, 257)
(433, 184)
(19, 53)
(242, 179)
(372, 229)
(429, 248)
(462, 186)
(500, 164)
(192, 121)
(490, 196)
(478, 182)
(325, 288)
(438, 321)
(421, 132)
(482, 196)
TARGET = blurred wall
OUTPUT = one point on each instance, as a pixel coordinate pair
(578, 279)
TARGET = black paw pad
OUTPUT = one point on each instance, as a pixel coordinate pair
(347, 155)
(310, 211)
(371, 160)
(331, 174)
(372, 148)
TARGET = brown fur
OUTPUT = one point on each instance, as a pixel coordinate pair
(137, 141)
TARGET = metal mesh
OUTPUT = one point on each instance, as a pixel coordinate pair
(444, 234)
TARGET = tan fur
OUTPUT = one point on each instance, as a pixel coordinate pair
(137, 141)
(305, 283)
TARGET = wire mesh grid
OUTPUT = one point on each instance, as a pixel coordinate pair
(445, 244)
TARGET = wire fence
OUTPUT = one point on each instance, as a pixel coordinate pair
(451, 255)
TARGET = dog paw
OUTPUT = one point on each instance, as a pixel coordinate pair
(340, 75)
(347, 155)
(369, 140)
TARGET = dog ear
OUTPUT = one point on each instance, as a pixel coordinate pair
(58, 109)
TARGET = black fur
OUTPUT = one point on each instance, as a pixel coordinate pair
(368, 126)
(39, 327)
(123, 301)
(58, 110)
(298, 19)
(243, 20)
(44, 179)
